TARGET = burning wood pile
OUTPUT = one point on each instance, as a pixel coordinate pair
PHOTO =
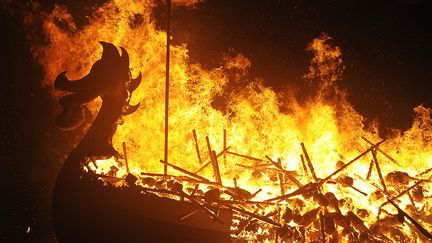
(307, 209)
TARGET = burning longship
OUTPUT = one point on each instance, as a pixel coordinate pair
(249, 172)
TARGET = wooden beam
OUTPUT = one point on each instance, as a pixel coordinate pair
(216, 167)
(197, 146)
(214, 162)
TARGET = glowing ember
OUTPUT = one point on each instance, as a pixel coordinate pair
(352, 204)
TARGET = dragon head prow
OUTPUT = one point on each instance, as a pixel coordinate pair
(109, 78)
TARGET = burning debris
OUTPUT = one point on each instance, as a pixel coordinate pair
(314, 208)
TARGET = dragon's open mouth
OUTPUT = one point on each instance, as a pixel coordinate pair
(102, 80)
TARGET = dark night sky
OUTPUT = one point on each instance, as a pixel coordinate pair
(386, 48)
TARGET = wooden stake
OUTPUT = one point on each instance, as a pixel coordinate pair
(167, 72)
(196, 145)
(224, 143)
(424, 172)
(370, 170)
(321, 217)
(287, 173)
(311, 168)
(281, 183)
(125, 157)
(413, 221)
(378, 169)
(214, 162)
(216, 167)
(354, 188)
(304, 165)
(255, 193)
(315, 186)
(209, 147)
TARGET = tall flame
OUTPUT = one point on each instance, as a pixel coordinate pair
(327, 123)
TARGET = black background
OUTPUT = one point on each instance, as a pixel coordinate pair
(386, 49)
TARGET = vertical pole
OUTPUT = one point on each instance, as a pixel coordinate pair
(168, 40)
(214, 162)
(224, 143)
(125, 157)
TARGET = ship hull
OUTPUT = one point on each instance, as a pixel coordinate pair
(85, 210)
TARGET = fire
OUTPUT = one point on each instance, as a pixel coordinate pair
(327, 124)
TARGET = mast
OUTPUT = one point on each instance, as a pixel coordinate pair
(167, 62)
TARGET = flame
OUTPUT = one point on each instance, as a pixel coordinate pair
(326, 123)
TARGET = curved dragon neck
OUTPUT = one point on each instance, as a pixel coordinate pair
(98, 140)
